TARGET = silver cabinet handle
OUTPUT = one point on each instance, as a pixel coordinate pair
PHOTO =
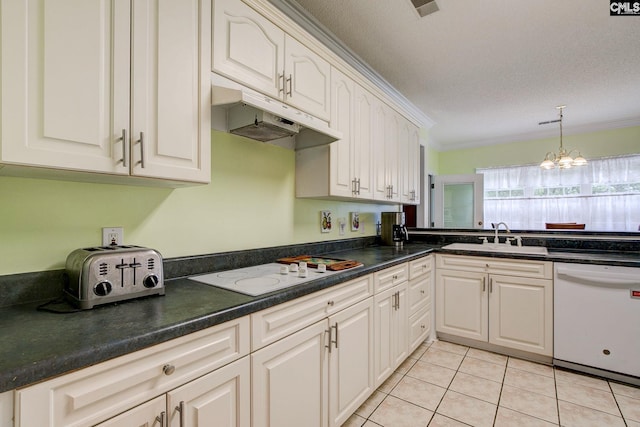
(358, 186)
(490, 285)
(124, 147)
(290, 79)
(141, 142)
(331, 303)
(281, 88)
(180, 409)
(354, 186)
(484, 285)
(329, 341)
(336, 340)
(162, 418)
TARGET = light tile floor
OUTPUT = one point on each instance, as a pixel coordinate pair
(448, 385)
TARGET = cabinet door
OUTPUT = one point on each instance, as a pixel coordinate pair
(384, 306)
(462, 304)
(400, 326)
(248, 48)
(409, 142)
(391, 167)
(307, 79)
(350, 361)
(289, 380)
(380, 113)
(404, 159)
(414, 165)
(362, 148)
(65, 86)
(149, 414)
(521, 313)
(171, 89)
(342, 119)
(391, 331)
(221, 398)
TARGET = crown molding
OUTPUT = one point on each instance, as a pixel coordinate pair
(301, 17)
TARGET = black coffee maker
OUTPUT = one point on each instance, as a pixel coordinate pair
(393, 231)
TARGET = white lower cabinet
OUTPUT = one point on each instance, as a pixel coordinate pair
(126, 94)
(512, 309)
(391, 331)
(290, 382)
(319, 375)
(221, 399)
(350, 360)
(420, 285)
(121, 386)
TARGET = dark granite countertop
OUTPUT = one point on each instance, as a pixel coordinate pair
(622, 259)
(40, 345)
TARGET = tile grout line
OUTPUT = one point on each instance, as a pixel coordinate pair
(504, 375)
(624, 419)
(555, 387)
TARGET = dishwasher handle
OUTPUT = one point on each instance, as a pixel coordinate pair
(609, 278)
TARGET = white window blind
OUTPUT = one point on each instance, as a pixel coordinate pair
(604, 195)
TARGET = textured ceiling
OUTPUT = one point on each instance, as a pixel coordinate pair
(488, 71)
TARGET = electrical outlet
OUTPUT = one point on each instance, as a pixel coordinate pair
(112, 236)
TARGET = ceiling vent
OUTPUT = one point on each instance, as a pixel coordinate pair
(425, 7)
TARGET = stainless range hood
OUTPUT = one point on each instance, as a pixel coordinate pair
(242, 111)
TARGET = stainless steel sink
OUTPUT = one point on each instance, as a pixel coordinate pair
(501, 247)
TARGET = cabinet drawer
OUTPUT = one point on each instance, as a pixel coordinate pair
(509, 267)
(390, 277)
(419, 328)
(284, 319)
(91, 395)
(419, 293)
(420, 267)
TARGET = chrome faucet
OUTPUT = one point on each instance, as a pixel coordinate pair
(496, 227)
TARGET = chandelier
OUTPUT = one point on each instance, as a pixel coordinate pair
(562, 159)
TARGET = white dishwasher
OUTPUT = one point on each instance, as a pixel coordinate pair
(597, 319)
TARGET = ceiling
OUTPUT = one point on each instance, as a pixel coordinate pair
(487, 72)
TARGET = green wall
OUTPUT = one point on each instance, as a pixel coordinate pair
(591, 145)
(250, 203)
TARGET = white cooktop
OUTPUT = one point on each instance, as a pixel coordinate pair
(259, 279)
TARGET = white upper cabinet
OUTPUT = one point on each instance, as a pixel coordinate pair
(82, 81)
(253, 51)
(307, 79)
(409, 160)
(171, 90)
(247, 47)
(362, 145)
(59, 97)
(386, 147)
(344, 168)
(342, 181)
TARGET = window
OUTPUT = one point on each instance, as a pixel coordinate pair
(604, 195)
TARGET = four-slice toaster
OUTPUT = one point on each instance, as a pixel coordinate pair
(106, 274)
